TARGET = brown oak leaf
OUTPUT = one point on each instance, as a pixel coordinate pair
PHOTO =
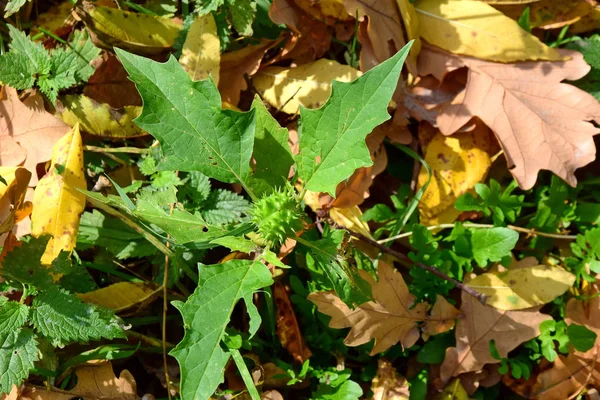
(389, 320)
(441, 318)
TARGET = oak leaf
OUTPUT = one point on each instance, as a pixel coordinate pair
(540, 122)
(480, 324)
(441, 318)
(389, 320)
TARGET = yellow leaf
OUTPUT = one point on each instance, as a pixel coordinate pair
(520, 288)
(329, 11)
(588, 23)
(57, 204)
(453, 391)
(477, 29)
(350, 218)
(120, 296)
(458, 162)
(411, 26)
(136, 32)
(201, 54)
(99, 118)
(549, 14)
(307, 84)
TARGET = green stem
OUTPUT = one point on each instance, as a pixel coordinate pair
(246, 377)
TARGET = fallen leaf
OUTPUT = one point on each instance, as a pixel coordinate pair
(54, 19)
(328, 11)
(586, 313)
(350, 218)
(441, 318)
(458, 163)
(389, 320)
(99, 118)
(517, 289)
(121, 296)
(136, 32)
(57, 204)
(388, 384)
(539, 122)
(589, 22)
(110, 84)
(201, 53)
(477, 326)
(27, 131)
(13, 206)
(308, 84)
(288, 330)
(453, 391)
(549, 14)
(476, 29)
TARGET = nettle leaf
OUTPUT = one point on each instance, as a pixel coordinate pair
(17, 71)
(492, 244)
(206, 314)
(62, 318)
(332, 138)
(186, 117)
(224, 207)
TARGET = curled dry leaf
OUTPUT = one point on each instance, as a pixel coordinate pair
(57, 204)
(441, 318)
(201, 53)
(540, 122)
(477, 326)
(27, 131)
(328, 11)
(122, 296)
(549, 14)
(109, 84)
(13, 206)
(288, 330)
(388, 384)
(389, 320)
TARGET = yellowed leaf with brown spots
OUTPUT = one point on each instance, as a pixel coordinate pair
(201, 53)
(121, 296)
(458, 162)
(57, 204)
(589, 22)
(550, 14)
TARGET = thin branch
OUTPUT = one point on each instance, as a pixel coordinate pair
(403, 257)
(531, 232)
(131, 150)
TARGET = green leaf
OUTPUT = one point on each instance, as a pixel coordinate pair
(76, 58)
(332, 138)
(12, 6)
(492, 244)
(434, 350)
(242, 15)
(17, 71)
(206, 6)
(581, 337)
(197, 188)
(224, 207)
(271, 152)
(349, 390)
(235, 243)
(206, 314)
(186, 117)
(63, 318)
(35, 52)
(19, 348)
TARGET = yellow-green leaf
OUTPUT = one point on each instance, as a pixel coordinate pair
(201, 54)
(120, 296)
(520, 288)
(477, 29)
(99, 118)
(57, 204)
(411, 26)
(307, 84)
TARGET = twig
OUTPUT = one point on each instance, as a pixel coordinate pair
(479, 296)
(531, 232)
(131, 150)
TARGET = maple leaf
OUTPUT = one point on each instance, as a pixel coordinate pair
(540, 122)
(389, 320)
(27, 131)
(480, 324)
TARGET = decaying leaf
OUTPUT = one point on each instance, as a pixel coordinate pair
(520, 288)
(57, 204)
(477, 326)
(109, 84)
(99, 118)
(13, 206)
(441, 318)
(288, 330)
(588, 23)
(389, 320)
(329, 11)
(27, 131)
(308, 85)
(201, 53)
(388, 384)
(549, 14)
(539, 122)
(476, 29)
(121, 296)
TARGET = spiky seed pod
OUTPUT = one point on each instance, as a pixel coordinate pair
(277, 216)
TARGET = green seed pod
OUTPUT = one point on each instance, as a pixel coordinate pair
(277, 216)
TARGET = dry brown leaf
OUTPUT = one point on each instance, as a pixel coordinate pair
(27, 131)
(389, 320)
(110, 84)
(288, 330)
(13, 206)
(441, 318)
(550, 14)
(539, 122)
(328, 11)
(478, 325)
(388, 384)
(588, 23)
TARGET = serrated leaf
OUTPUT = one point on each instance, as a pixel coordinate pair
(35, 52)
(224, 206)
(12, 6)
(206, 315)
(186, 117)
(492, 244)
(17, 71)
(242, 15)
(332, 138)
(63, 318)
(76, 58)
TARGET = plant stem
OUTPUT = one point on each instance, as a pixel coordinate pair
(131, 150)
(402, 257)
(529, 231)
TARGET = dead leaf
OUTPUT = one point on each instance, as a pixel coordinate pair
(27, 131)
(121, 296)
(539, 122)
(476, 29)
(388, 384)
(441, 319)
(57, 204)
(288, 330)
(110, 84)
(389, 320)
(328, 11)
(453, 391)
(201, 53)
(478, 325)
(588, 23)
(549, 14)
(13, 206)
(55, 18)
